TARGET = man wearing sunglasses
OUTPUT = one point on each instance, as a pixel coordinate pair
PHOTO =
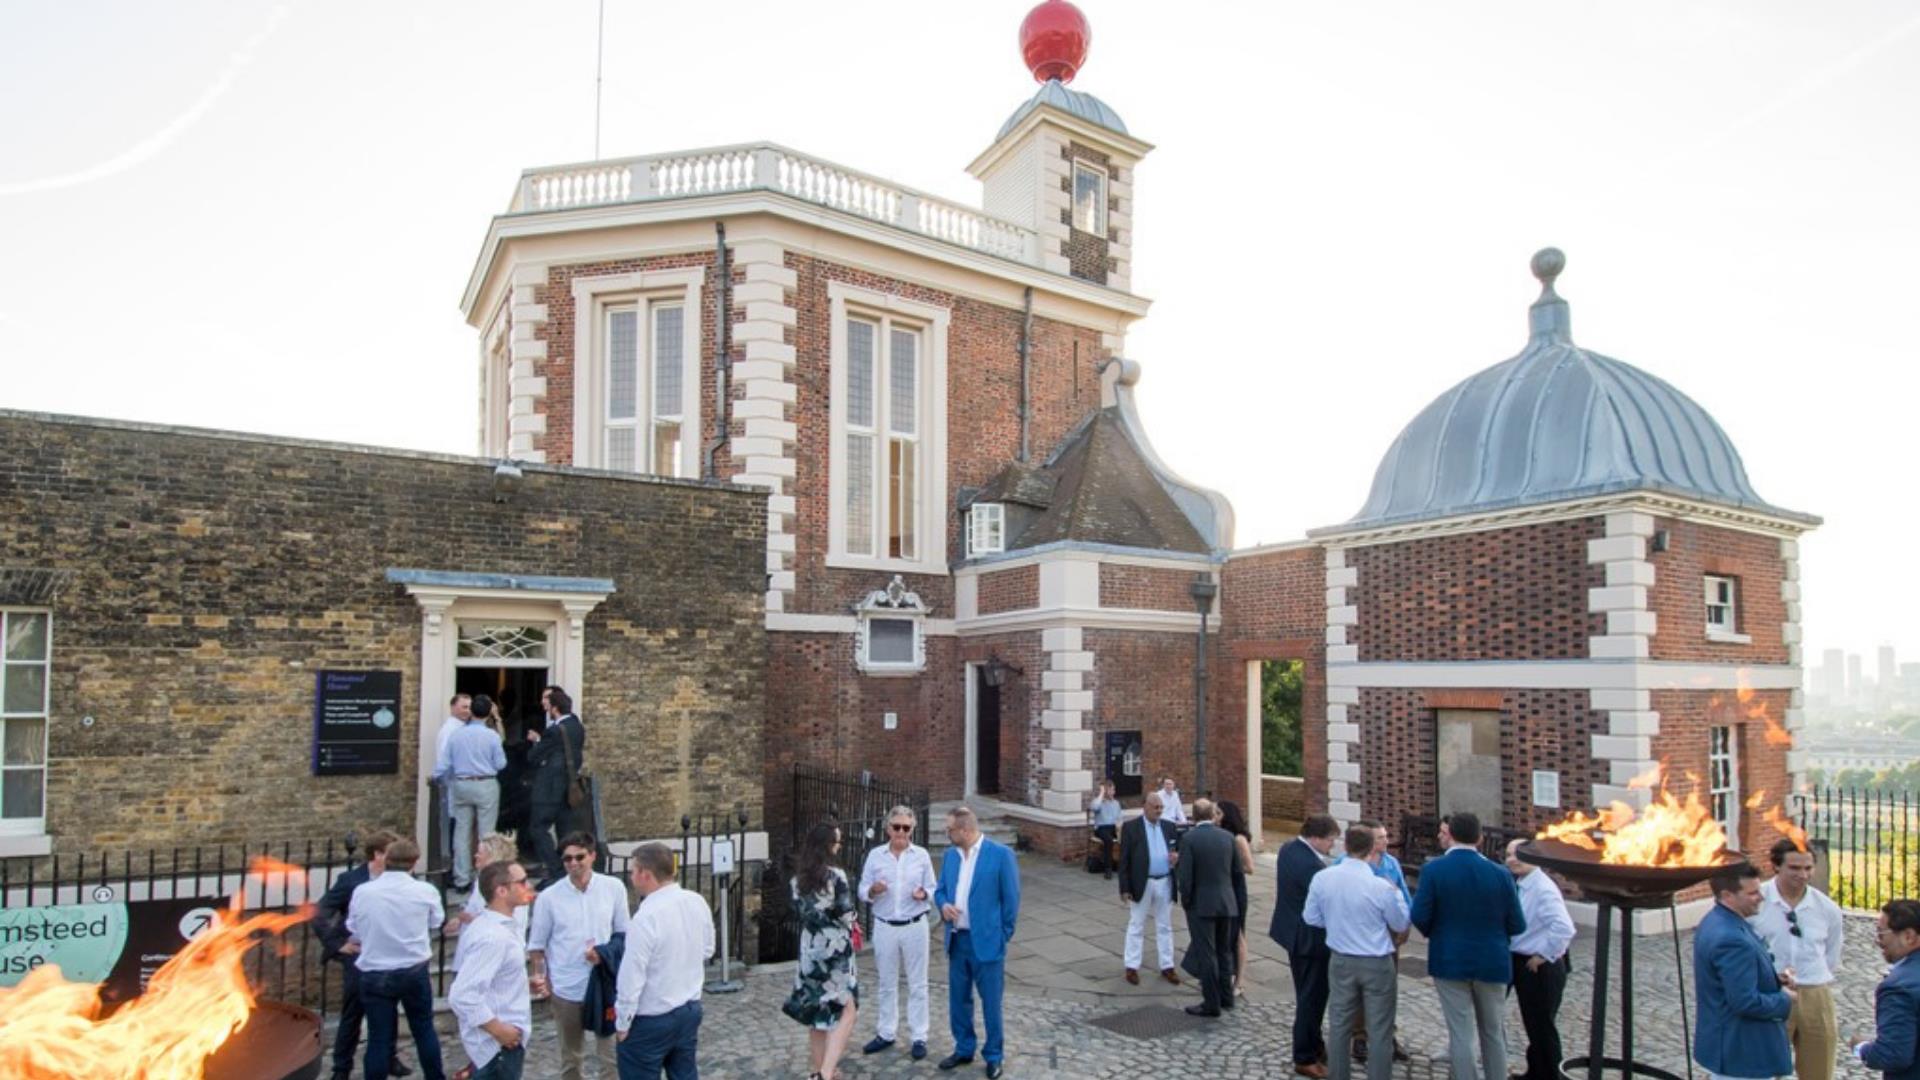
(1802, 928)
(571, 919)
(898, 881)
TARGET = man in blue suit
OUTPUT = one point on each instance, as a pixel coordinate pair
(1896, 1004)
(1740, 1026)
(1469, 911)
(979, 900)
(1306, 945)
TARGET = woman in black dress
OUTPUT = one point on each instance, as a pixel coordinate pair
(826, 995)
(1234, 820)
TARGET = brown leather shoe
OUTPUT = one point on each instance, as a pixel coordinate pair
(1133, 976)
(1168, 974)
(1312, 1069)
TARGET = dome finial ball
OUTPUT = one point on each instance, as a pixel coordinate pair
(1054, 38)
(1547, 264)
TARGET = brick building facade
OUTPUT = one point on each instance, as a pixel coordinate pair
(195, 582)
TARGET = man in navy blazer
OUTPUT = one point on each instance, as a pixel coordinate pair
(1469, 911)
(1740, 1022)
(1896, 1003)
(1306, 945)
(979, 901)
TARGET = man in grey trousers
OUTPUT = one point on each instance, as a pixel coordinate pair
(1365, 918)
(1469, 911)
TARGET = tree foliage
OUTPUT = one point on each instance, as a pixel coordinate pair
(1282, 691)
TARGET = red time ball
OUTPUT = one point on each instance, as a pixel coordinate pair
(1053, 40)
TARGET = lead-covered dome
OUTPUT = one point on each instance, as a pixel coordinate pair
(1555, 422)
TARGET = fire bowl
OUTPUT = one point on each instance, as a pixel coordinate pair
(1630, 886)
(278, 1042)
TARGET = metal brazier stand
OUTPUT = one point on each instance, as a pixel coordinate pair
(1625, 889)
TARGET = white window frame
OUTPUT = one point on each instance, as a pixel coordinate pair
(895, 602)
(594, 297)
(12, 829)
(986, 529)
(1723, 780)
(496, 384)
(1081, 165)
(847, 302)
(1729, 633)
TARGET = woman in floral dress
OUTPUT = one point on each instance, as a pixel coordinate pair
(825, 995)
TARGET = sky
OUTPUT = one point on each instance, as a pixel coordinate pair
(260, 216)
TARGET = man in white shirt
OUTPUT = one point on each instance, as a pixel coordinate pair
(489, 997)
(1170, 803)
(656, 1012)
(1540, 963)
(898, 881)
(571, 918)
(393, 917)
(1802, 928)
(1365, 918)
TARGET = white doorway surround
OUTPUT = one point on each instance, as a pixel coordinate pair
(556, 605)
(1256, 753)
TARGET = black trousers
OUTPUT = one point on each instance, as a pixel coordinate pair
(1310, 1004)
(544, 818)
(1539, 995)
(1212, 950)
(346, 1037)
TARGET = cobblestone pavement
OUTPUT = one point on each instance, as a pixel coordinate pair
(1064, 970)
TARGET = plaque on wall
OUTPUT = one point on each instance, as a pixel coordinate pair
(356, 723)
(1123, 762)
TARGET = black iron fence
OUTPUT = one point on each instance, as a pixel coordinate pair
(1870, 841)
(859, 805)
(168, 884)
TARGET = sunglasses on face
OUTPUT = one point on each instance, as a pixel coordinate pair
(898, 827)
(574, 858)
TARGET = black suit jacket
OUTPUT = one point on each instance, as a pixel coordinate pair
(1134, 857)
(330, 914)
(1204, 876)
(548, 759)
(1298, 864)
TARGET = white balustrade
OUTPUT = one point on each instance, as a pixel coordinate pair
(765, 166)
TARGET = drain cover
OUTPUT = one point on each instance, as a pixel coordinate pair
(1149, 1022)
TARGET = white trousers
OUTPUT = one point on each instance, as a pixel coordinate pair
(1159, 902)
(896, 948)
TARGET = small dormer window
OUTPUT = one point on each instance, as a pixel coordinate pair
(1089, 198)
(986, 529)
(892, 637)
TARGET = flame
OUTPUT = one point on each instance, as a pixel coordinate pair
(50, 1029)
(1669, 832)
(1787, 828)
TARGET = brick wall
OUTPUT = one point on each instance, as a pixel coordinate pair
(1539, 729)
(1274, 608)
(1143, 681)
(1685, 716)
(1009, 590)
(983, 431)
(1152, 587)
(822, 711)
(209, 577)
(1678, 598)
(1518, 593)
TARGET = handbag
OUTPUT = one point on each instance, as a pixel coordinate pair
(576, 782)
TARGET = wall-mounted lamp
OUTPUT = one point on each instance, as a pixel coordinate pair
(1662, 539)
(506, 480)
(997, 671)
